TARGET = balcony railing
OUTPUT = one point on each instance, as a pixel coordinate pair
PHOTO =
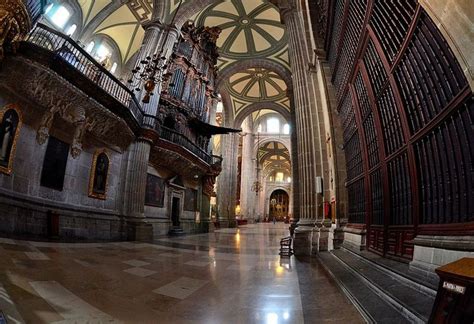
(177, 138)
(75, 56)
(35, 8)
(69, 51)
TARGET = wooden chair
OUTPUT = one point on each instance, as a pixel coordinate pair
(285, 246)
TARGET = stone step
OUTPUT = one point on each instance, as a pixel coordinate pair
(411, 300)
(401, 268)
(370, 305)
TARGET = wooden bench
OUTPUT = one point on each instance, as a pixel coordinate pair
(285, 246)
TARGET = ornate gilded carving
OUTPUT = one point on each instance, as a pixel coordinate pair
(206, 37)
(209, 180)
(99, 174)
(10, 125)
(14, 25)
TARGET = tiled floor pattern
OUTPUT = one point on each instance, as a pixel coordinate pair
(231, 276)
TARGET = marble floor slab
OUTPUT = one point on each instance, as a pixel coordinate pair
(136, 263)
(140, 272)
(230, 276)
(181, 288)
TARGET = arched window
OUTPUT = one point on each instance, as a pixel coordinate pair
(286, 129)
(114, 68)
(279, 177)
(71, 30)
(220, 107)
(103, 51)
(59, 16)
(48, 8)
(273, 125)
(259, 129)
(288, 179)
(90, 47)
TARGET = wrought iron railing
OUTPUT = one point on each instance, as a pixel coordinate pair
(69, 51)
(179, 139)
(35, 8)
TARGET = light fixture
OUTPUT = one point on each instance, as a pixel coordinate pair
(257, 185)
(150, 70)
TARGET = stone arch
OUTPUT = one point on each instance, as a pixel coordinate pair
(264, 63)
(270, 192)
(260, 118)
(269, 139)
(228, 108)
(242, 114)
(189, 8)
(159, 10)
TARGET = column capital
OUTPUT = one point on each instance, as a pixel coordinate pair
(153, 25)
(287, 8)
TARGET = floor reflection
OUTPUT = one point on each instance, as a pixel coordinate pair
(230, 276)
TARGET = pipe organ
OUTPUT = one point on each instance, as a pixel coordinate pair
(189, 93)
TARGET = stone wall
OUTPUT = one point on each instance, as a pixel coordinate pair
(24, 203)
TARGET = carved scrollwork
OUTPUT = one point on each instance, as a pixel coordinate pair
(14, 25)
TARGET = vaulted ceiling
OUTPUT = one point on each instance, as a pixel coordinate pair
(120, 20)
(274, 156)
(251, 29)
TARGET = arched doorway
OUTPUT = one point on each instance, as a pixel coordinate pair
(279, 204)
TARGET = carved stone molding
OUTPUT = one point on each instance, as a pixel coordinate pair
(55, 97)
(14, 25)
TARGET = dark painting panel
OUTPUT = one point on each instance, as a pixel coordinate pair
(190, 199)
(100, 174)
(54, 164)
(155, 191)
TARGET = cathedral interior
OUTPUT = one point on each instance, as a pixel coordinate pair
(236, 161)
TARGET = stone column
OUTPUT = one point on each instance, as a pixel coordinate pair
(138, 153)
(247, 196)
(309, 157)
(294, 167)
(227, 180)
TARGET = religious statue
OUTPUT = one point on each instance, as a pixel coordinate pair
(98, 187)
(8, 128)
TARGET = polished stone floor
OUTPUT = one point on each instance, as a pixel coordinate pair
(230, 276)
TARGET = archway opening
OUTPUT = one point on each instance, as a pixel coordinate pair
(279, 206)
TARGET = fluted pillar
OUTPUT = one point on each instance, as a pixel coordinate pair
(247, 196)
(295, 182)
(310, 151)
(304, 114)
(227, 180)
(157, 37)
